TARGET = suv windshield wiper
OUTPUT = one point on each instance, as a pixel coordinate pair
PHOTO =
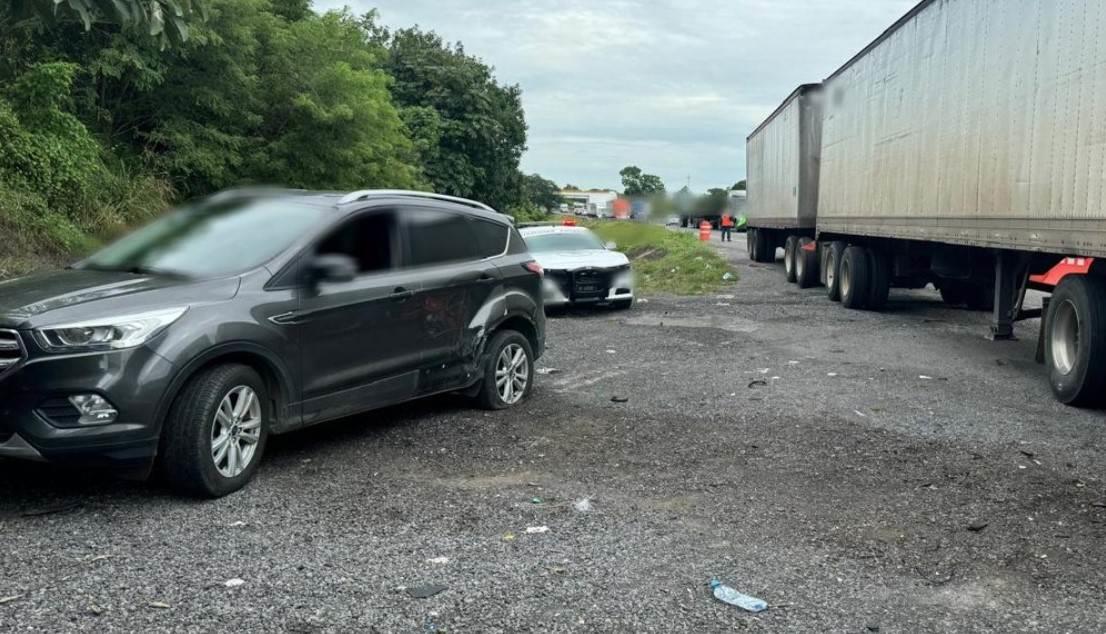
(137, 269)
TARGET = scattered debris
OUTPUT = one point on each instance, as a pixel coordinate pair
(1099, 505)
(612, 351)
(831, 374)
(872, 628)
(860, 413)
(158, 605)
(727, 277)
(977, 526)
(582, 505)
(426, 591)
(758, 383)
(643, 301)
(723, 304)
(925, 378)
(544, 371)
(536, 500)
(508, 537)
(93, 560)
(727, 594)
(764, 370)
(234, 583)
(1028, 454)
(53, 509)
(238, 524)
(14, 597)
(95, 610)
(537, 529)
(792, 362)
(438, 560)
(620, 399)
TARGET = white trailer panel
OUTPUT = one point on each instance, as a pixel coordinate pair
(978, 122)
(782, 163)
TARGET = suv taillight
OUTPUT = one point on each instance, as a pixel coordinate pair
(534, 267)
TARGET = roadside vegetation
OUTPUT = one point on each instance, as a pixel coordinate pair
(668, 261)
(110, 112)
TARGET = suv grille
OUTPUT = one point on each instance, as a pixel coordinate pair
(11, 350)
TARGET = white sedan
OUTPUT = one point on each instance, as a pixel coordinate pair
(579, 268)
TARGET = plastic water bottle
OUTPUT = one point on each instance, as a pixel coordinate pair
(727, 594)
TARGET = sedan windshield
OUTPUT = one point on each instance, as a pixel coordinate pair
(210, 239)
(567, 241)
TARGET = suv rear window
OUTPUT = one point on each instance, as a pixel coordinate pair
(491, 237)
(440, 237)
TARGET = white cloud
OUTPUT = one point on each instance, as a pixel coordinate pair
(673, 86)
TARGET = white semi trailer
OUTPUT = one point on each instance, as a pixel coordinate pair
(966, 148)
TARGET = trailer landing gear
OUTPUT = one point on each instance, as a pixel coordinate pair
(1011, 277)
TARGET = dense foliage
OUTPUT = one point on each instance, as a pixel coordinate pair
(111, 110)
(637, 183)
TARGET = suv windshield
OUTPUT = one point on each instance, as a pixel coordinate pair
(567, 241)
(210, 239)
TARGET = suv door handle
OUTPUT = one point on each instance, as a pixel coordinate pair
(401, 294)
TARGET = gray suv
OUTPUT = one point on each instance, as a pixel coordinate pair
(256, 312)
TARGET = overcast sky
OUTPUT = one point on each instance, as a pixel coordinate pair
(673, 86)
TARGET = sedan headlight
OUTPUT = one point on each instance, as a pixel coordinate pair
(110, 333)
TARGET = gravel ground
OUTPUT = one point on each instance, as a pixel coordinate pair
(770, 438)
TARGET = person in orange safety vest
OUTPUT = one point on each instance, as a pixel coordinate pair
(727, 227)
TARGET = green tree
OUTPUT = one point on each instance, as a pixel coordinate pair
(480, 126)
(739, 185)
(636, 183)
(540, 191)
(165, 20)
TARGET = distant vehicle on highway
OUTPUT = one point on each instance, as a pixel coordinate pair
(672, 221)
(579, 268)
(253, 313)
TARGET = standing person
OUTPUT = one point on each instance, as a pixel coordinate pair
(727, 227)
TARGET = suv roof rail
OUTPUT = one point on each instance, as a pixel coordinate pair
(362, 194)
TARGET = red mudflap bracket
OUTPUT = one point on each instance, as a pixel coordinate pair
(1066, 267)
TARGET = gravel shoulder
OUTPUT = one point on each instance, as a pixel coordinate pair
(769, 438)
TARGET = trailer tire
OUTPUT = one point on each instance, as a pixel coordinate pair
(764, 250)
(834, 252)
(1075, 341)
(856, 278)
(981, 297)
(806, 264)
(881, 279)
(952, 293)
(790, 249)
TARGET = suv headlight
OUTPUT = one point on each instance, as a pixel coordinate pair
(110, 333)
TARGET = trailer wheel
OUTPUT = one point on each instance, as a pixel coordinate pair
(963, 293)
(806, 264)
(1075, 341)
(790, 248)
(764, 250)
(855, 278)
(952, 293)
(881, 279)
(834, 253)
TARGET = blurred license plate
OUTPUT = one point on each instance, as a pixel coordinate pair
(587, 288)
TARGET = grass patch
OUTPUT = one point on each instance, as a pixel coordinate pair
(668, 261)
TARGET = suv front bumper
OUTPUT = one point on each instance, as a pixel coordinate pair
(132, 380)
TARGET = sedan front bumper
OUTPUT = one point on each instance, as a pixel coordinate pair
(587, 286)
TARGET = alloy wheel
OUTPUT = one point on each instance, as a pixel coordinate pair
(512, 373)
(236, 431)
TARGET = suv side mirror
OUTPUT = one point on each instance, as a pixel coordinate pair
(611, 246)
(333, 268)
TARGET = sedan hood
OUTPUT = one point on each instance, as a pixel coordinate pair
(572, 260)
(78, 294)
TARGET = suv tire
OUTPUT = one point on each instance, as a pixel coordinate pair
(502, 344)
(227, 401)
